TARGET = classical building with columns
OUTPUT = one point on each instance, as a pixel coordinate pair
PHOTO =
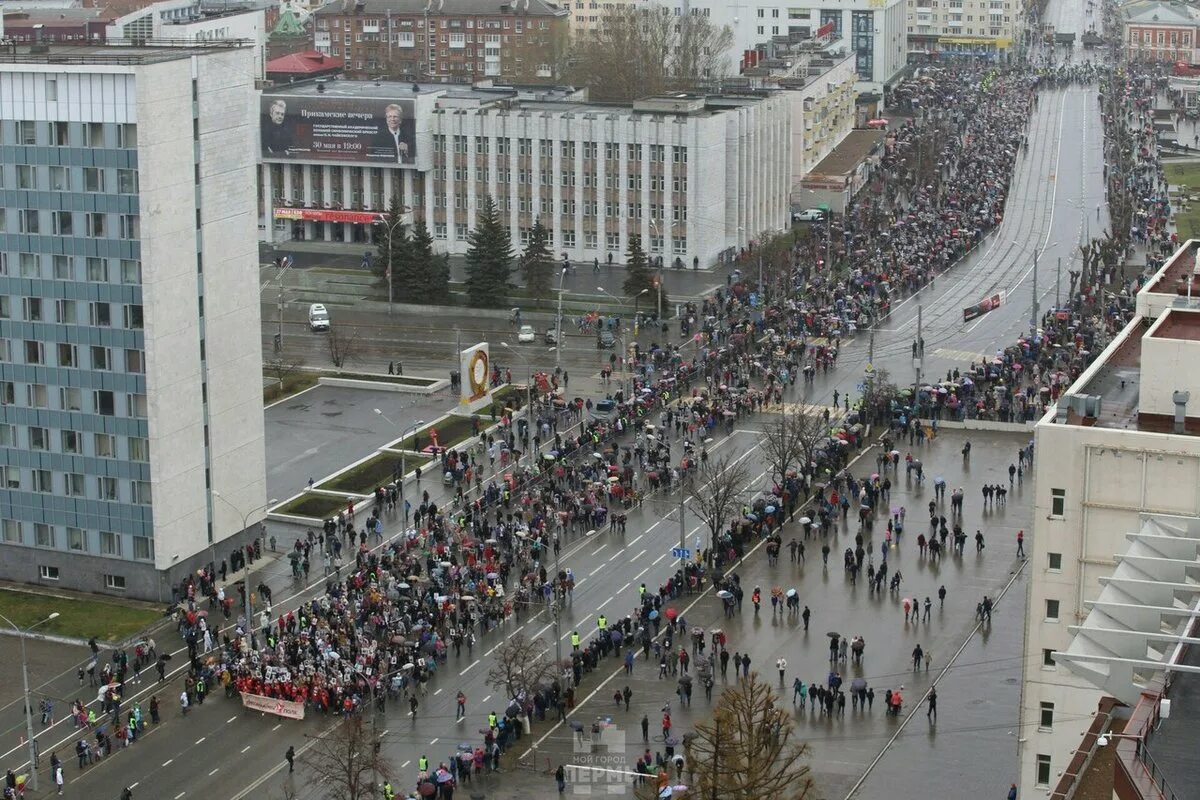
(698, 176)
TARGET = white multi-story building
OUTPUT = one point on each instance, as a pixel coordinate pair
(131, 425)
(586, 15)
(974, 28)
(874, 31)
(1119, 455)
(694, 175)
(192, 21)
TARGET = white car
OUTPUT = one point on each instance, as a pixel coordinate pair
(526, 334)
(809, 215)
(318, 317)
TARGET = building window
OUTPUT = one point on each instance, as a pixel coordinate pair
(1054, 562)
(70, 398)
(1058, 503)
(10, 529)
(93, 179)
(10, 477)
(101, 358)
(114, 582)
(68, 354)
(105, 445)
(76, 540)
(141, 493)
(43, 535)
(1043, 770)
(43, 481)
(35, 352)
(72, 441)
(107, 487)
(110, 543)
(1048, 657)
(131, 271)
(47, 572)
(143, 548)
(1046, 721)
(1051, 611)
(104, 402)
(133, 317)
(39, 438)
(75, 485)
(135, 361)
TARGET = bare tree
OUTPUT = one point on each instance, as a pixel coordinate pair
(522, 666)
(281, 368)
(747, 751)
(346, 760)
(781, 445)
(637, 51)
(715, 491)
(343, 347)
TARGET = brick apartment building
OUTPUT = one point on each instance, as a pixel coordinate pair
(451, 40)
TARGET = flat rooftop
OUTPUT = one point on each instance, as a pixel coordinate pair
(846, 157)
(1177, 325)
(1116, 381)
(84, 54)
(1172, 279)
(1177, 739)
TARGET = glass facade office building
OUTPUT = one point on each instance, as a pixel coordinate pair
(122, 408)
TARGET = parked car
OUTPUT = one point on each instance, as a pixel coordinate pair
(606, 340)
(318, 317)
(526, 334)
(551, 336)
(808, 215)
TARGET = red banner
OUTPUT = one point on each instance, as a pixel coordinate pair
(825, 30)
(271, 705)
(326, 215)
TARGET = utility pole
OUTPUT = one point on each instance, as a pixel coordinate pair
(682, 528)
(1033, 313)
(1057, 283)
(558, 345)
(920, 359)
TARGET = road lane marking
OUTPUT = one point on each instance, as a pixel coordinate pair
(579, 582)
(464, 672)
(439, 691)
(202, 738)
(167, 762)
(484, 700)
(244, 749)
(540, 632)
(231, 719)
(639, 555)
(640, 574)
(277, 727)
(405, 764)
(214, 772)
(660, 558)
(623, 588)
(635, 541)
(435, 741)
(598, 549)
(181, 794)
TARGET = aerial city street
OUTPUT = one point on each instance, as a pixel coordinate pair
(733, 499)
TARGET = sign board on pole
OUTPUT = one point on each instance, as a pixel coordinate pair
(476, 371)
(273, 705)
(680, 552)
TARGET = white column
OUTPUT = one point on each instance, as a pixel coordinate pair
(644, 194)
(624, 196)
(287, 183)
(268, 205)
(577, 190)
(553, 135)
(347, 228)
(327, 196)
(367, 183)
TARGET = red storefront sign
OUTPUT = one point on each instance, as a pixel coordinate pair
(327, 215)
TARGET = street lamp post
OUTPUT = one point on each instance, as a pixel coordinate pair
(403, 457)
(249, 590)
(391, 229)
(562, 276)
(21, 633)
(1033, 310)
(528, 406)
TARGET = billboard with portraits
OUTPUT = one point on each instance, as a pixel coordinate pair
(338, 129)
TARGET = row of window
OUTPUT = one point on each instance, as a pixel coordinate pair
(70, 398)
(567, 239)
(107, 543)
(68, 134)
(114, 583)
(1147, 36)
(566, 208)
(93, 180)
(375, 24)
(589, 180)
(566, 149)
(75, 484)
(100, 357)
(90, 224)
(70, 442)
(67, 268)
(69, 312)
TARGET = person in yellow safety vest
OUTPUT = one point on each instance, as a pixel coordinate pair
(423, 764)
(492, 720)
(602, 622)
(575, 640)
(642, 591)
(388, 792)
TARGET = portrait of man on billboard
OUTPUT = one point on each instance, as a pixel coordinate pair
(276, 133)
(397, 136)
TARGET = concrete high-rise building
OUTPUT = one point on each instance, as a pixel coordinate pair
(131, 427)
(873, 31)
(987, 29)
(1117, 487)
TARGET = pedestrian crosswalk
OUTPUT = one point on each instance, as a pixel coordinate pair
(959, 355)
(808, 409)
